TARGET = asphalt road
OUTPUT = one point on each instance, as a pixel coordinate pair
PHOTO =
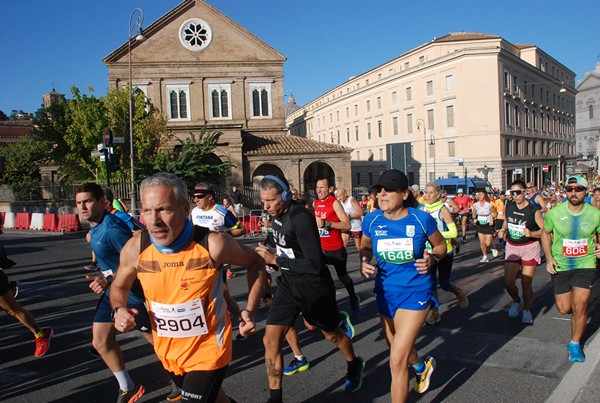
(481, 354)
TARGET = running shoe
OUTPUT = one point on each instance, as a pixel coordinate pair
(230, 274)
(354, 312)
(13, 287)
(347, 325)
(484, 259)
(42, 344)
(175, 394)
(354, 381)
(91, 267)
(527, 317)
(464, 239)
(5, 262)
(132, 395)
(457, 248)
(463, 301)
(575, 353)
(433, 317)
(515, 308)
(422, 380)
(494, 252)
(296, 366)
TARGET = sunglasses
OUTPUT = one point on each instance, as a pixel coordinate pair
(516, 192)
(529, 187)
(200, 196)
(575, 188)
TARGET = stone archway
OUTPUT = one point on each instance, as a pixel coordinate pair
(313, 172)
(265, 169)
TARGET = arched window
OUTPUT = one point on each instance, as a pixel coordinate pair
(591, 111)
(261, 100)
(179, 101)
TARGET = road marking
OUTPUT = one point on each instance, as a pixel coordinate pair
(576, 378)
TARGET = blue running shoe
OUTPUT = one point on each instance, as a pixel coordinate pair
(296, 366)
(354, 381)
(356, 311)
(346, 325)
(575, 353)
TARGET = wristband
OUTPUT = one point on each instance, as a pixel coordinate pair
(114, 313)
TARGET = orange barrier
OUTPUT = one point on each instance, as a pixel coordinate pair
(69, 222)
(23, 221)
(2, 214)
(50, 223)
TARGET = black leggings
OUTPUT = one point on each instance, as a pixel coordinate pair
(200, 386)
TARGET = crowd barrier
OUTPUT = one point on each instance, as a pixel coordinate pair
(40, 221)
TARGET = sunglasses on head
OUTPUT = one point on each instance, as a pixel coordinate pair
(578, 188)
(516, 192)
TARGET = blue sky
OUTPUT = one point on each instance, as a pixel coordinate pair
(52, 43)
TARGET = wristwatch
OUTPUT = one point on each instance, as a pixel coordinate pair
(114, 313)
(435, 258)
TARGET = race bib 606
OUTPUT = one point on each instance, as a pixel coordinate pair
(575, 247)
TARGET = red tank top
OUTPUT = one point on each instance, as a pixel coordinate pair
(331, 239)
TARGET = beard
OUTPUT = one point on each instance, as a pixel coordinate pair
(576, 201)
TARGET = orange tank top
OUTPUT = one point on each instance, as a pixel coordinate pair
(184, 293)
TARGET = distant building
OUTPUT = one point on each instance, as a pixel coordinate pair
(464, 102)
(201, 69)
(11, 131)
(588, 120)
(52, 98)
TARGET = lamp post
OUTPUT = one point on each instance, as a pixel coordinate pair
(421, 123)
(139, 38)
(432, 143)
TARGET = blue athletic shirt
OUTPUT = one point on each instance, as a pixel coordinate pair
(396, 246)
(131, 222)
(107, 240)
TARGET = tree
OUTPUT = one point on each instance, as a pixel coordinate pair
(193, 160)
(21, 171)
(3, 116)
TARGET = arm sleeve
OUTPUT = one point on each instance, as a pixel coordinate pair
(452, 231)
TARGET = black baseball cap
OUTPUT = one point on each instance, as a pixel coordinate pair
(203, 192)
(391, 180)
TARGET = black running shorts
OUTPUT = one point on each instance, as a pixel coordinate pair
(564, 281)
(314, 296)
(338, 259)
(200, 386)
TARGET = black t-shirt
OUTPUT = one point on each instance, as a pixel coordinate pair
(518, 220)
(236, 197)
(297, 239)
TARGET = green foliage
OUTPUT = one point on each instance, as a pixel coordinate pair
(21, 171)
(3, 116)
(193, 160)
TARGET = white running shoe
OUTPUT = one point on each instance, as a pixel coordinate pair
(495, 252)
(484, 259)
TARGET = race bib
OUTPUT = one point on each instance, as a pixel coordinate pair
(575, 247)
(285, 252)
(396, 250)
(500, 214)
(516, 231)
(179, 321)
(323, 233)
(483, 220)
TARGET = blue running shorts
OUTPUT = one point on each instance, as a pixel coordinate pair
(389, 302)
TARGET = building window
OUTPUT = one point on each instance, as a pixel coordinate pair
(347, 113)
(507, 149)
(506, 80)
(517, 123)
(368, 131)
(338, 137)
(381, 154)
(430, 119)
(378, 102)
(220, 101)
(450, 115)
(527, 118)
(534, 119)
(515, 85)
(195, 34)
(379, 128)
(347, 134)
(409, 93)
(356, 132)
(591, 112)
(542, 121)
(409, 123)
(368, 106)
(394, 98)
(429, 88)
(261, 100)
(449, 83)
(356, 110)
(337, 116)
(179, 106)
(451, 149)
(395, 125)
(517, 148)
(507, 113)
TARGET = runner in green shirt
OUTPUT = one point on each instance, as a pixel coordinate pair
(569, 240)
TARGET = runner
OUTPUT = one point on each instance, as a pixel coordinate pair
(179, 266)
(331, 221)
(568, 239)
(396, 235)
(304, 286)
(521, 230)
(465, 203)
(8, 292)
(434, 205)
(483, 219)
(354, 213)
(108, 235)
(534, 198)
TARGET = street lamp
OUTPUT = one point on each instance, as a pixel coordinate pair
(139, 38)
(421, 123)
(432, 143)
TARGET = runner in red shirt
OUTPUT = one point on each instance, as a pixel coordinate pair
(465, 203)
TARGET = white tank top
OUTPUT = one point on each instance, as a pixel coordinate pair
(356, 223)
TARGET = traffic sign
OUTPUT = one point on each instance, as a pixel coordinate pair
(545, 168)
(119, 140)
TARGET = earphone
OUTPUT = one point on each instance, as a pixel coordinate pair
(286, 195)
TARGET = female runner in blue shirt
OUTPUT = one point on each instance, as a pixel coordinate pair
(396, 235)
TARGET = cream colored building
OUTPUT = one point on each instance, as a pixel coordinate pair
(202, 69)
(588, 119)
(463, 102)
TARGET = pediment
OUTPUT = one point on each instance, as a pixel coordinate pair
(231, 43)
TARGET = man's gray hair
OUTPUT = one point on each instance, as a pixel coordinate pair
(167, 179)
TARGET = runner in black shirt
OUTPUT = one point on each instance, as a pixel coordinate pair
(305, 285)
